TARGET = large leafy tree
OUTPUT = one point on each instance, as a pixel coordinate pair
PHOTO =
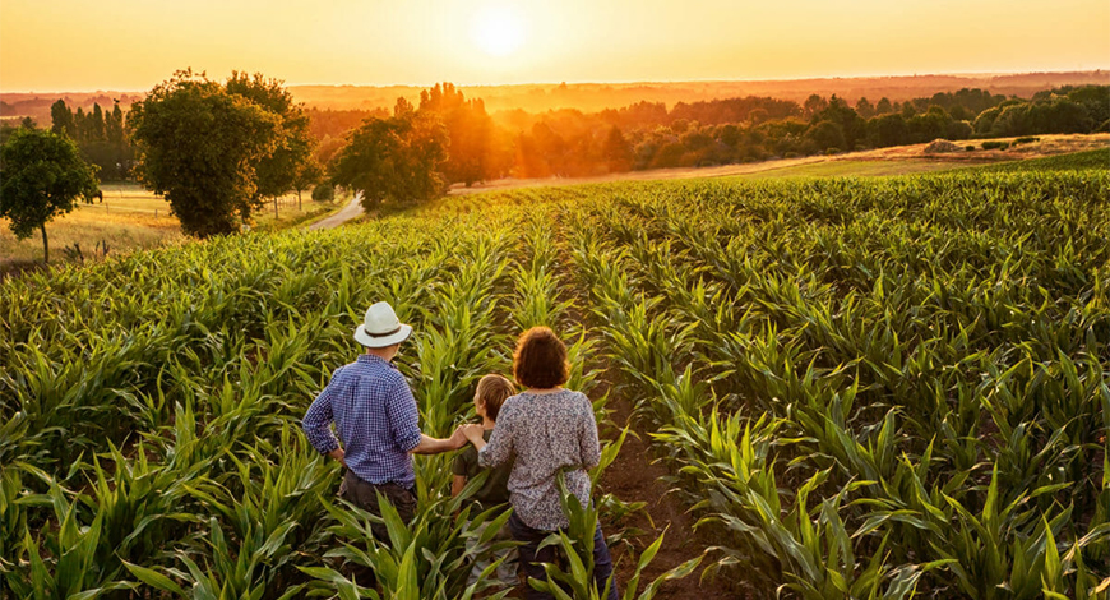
(395, 159)
(277, 172)
(201, 146)
(43, 177)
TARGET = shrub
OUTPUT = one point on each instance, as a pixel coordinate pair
(995, 145)
(790, 155)
(323, 191)
(1026, 140)
(832, 151)
(970, 148)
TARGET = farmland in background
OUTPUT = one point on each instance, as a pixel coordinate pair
(130, 218)
(865, 387)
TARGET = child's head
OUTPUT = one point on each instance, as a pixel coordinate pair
(492, 392)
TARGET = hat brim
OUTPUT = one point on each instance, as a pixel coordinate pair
(371, 341)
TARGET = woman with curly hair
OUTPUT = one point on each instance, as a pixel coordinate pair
(546, 429)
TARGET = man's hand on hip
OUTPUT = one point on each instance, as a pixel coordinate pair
(337, 454)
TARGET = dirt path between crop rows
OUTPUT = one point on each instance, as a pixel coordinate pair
(635, 476)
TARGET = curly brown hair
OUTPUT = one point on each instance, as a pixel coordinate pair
(540, 360)
(492, 392)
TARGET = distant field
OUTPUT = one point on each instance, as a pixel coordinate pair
(1079, 161)
(130, 218)
(1091, 159)
(857, 168)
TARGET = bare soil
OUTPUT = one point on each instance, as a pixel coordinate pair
(635, 477)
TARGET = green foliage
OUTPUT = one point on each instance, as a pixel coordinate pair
(43, 176)
(211, 180)
(863, 388)
(836, 446)
(288, 166)
(323, 191)
(395, 159)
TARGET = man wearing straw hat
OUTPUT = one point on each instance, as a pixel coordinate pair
(375, 417)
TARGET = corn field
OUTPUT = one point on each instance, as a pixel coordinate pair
(882, 388)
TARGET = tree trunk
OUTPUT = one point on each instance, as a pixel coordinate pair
(45, 248)
(299, 209)
(276, 209)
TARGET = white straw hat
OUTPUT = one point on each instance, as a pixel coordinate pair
(381, 328)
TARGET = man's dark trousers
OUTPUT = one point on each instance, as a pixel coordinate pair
(365, 496)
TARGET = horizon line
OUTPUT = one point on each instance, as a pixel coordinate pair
(968, 74)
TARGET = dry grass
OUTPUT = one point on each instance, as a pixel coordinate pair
(130, 218)
(896, 160)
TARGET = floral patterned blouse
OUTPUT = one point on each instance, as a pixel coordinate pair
(544, 433)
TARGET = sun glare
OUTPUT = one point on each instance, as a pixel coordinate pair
(497, 30)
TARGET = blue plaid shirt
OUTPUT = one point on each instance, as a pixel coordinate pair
(374, 414)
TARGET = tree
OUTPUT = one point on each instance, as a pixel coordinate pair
(851, 125)
(889, 130)
(864, 108)
(276, 171)
(814, 104)
(43, 175)
(307, 175)
(826, 134)
(61, 119)
(469, 129)
(395, 159)
(96, 124)
(617, 151)
(933, 124)
(884, 106)
(200, 146)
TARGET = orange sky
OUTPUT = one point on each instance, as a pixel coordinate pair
(79, 45)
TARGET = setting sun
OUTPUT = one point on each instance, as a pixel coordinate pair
(497, 30)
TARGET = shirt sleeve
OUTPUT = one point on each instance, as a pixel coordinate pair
(400, 409)
(317, 420)
(587, 437)
(500, 446)
(465, 462)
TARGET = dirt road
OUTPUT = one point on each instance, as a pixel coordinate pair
(349, 212)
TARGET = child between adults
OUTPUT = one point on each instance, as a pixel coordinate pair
(491, 393)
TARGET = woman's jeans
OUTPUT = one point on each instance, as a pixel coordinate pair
(532, 560)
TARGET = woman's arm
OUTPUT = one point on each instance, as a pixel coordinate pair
(500, 446)
(589, 446)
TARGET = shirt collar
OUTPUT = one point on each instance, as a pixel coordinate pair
(370, 359)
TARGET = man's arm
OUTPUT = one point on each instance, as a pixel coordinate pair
(316, 424)
(431, 445)
(403, 422)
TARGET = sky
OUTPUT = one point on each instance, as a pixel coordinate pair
(125, 45)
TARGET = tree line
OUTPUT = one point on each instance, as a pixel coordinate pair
(99, 136)
(646, 135)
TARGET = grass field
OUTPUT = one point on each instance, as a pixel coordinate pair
(853, 168)
(872, 387)
(1091, 160)
(130, 218)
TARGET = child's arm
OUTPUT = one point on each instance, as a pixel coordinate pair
(458, 482)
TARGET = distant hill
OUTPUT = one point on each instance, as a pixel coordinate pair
(593, 97)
